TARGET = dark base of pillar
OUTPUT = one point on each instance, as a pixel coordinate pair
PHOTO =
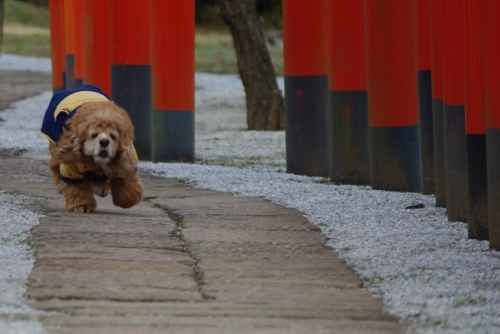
(173, 136)
(395, 158)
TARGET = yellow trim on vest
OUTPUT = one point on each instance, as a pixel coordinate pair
(72, 171)
(75, 100)
(50, 139)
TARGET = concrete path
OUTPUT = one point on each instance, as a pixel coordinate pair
(187, 261)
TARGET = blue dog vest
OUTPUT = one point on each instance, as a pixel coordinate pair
(62, 107)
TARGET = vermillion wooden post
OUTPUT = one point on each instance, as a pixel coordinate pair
(475, 122)
(437, 101)
(392, 96)
(69, 43)
(56, 10)
(348, 114)
(97, 43)
(454, 116)
(172, 33)
(78, 17)
(131, 69)
(306, 87)
(423, 30)
(492, 100)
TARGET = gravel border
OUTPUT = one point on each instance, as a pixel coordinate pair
(18, 214)
(423, 267)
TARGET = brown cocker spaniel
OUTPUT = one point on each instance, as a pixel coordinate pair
(91, 149)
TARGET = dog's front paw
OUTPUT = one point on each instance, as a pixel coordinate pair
(126, 192)
(87, 206)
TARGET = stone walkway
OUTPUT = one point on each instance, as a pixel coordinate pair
(183, 261)
(187, 261)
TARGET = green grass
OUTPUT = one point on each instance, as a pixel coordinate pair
(38, 45)
(26, 32)
(26, 14)
(26, 29)
(214, 52)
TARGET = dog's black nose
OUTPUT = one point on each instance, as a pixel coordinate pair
(104, 142)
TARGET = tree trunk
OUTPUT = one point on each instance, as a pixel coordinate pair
(264, 99)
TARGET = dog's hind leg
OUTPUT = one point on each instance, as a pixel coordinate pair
(56, 172)
(80, 197)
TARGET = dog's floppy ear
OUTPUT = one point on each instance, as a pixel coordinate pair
(126, 159)
(69, 147)
(128, 136)
(126, 128)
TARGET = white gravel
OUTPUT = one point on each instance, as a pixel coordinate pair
(12, 62)
(17, 216)
(423, 267)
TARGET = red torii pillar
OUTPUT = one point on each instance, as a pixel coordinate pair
(97, 43)
(131, 69)
(73, 39)
(69, 42)
(392, 96)
(348, 114)
(56, 10)
(475, 123)
(172, 33)
(437, 101)
(492, 101)
(423, 30)
(78, 17)
(306, 87)
(454, 111)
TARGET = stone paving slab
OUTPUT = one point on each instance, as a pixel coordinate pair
(18, 85)
(212, 317)
(187, 261)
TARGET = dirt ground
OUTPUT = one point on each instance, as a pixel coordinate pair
(17, 85)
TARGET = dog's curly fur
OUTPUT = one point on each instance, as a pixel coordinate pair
(93, 124)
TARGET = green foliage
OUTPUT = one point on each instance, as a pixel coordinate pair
(270, 10)
(26, 14)
(25, 30)
(27, 45)
(214, 49)
(207, 13)
(44, 3)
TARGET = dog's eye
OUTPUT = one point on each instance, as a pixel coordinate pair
(113, 136)
(93, 135)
